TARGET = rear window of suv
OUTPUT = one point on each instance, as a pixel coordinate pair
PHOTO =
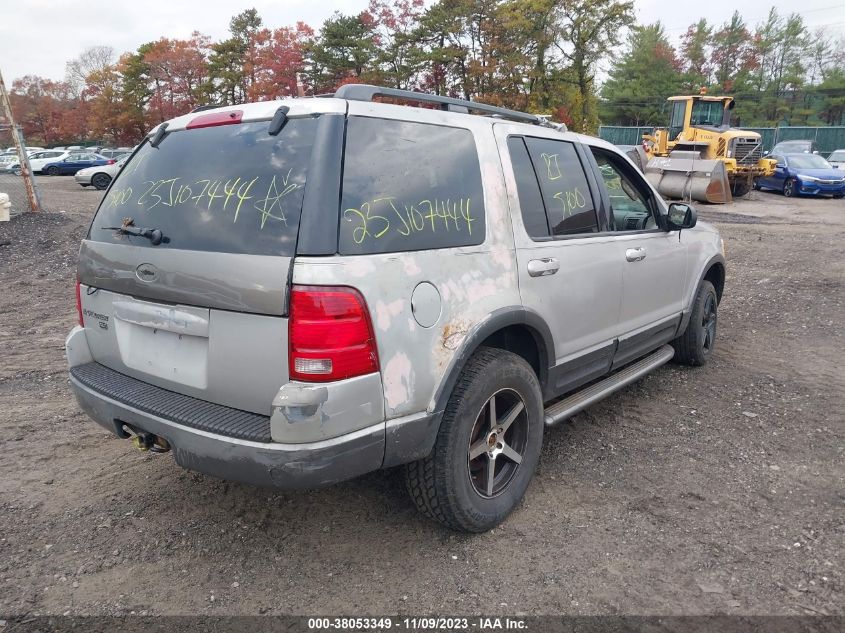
(228, 189)
(408, 187)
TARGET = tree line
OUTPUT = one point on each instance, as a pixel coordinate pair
(581, 61)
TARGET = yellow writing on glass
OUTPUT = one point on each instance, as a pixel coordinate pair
(118, 197)
(572, 200)
(386, 215)
(552, 168)
(273, 198)
(228, 194)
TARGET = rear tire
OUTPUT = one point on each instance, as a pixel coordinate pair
(455, 484)
(789, 188)
(101, 181)
(695, 345)
(52, 171)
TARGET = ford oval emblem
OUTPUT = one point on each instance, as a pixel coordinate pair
(146, 272)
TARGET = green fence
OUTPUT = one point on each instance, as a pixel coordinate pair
(828, 139)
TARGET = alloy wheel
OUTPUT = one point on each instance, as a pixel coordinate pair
(708, 323)
(497, 443)
(789, 188)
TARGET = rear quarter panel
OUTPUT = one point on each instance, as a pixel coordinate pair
(472, 281)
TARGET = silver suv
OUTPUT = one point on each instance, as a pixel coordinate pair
(295, 293)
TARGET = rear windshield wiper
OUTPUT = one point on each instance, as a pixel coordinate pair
(127, 228)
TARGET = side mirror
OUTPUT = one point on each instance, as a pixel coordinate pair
(681, 216)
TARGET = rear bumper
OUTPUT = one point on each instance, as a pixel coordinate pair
(234, 445)
(288, 466)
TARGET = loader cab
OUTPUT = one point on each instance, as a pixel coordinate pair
(700, 111)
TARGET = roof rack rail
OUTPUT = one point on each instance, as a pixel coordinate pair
(365, 92)
(209, 106)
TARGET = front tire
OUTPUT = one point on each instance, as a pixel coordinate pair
(789, 188)
(696, 344)
(487, 447)
(741, 188)
(52, 171)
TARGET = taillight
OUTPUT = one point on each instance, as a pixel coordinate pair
(331, 336)
(79, 303)
(111, 162)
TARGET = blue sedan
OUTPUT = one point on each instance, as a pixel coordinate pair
(74, 163)
(804, 174)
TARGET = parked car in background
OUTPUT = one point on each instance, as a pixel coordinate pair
(795, 147)
(100, 176)
(6, 160)
(14, 150)
(837, 159)
(116, 153)
(804, 174)
(37, 160)
(75, 162)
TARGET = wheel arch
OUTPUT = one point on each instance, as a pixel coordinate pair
(515, 329)
(714, 272)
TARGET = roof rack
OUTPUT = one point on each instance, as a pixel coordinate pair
(364, 92)
(209, 106)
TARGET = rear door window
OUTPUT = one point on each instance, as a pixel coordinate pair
(563, 183)
(228, 189)
(408, 187)
(530, 199)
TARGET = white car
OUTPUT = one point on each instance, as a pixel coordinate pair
(38, 160)
(99, 177)
(837, 159)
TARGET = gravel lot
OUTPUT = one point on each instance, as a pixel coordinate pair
(694, 491)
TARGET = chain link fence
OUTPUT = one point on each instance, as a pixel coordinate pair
(827, 139)
(11, 180)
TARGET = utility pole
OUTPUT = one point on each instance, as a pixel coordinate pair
(17, 138)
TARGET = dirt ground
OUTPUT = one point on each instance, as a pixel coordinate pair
(694, 491)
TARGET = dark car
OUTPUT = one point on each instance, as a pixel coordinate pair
(795, 147)
(74, 163)
(804, 174)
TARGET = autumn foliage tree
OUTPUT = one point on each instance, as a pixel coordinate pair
(546, 56)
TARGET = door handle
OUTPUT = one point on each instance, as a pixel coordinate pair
(635, 254)
(543, 267)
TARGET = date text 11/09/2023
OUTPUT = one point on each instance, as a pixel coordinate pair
(422, 623)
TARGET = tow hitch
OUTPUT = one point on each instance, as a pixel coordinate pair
(147, 442)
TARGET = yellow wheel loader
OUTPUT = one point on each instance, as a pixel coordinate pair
(700, 156)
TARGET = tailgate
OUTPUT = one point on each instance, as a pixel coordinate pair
(199, 308)
(230, 358)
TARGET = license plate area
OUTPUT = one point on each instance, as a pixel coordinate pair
(180, 358)
(167, 342)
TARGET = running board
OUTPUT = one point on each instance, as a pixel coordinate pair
(566, 408)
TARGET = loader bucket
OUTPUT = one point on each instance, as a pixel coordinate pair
(686, 176)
